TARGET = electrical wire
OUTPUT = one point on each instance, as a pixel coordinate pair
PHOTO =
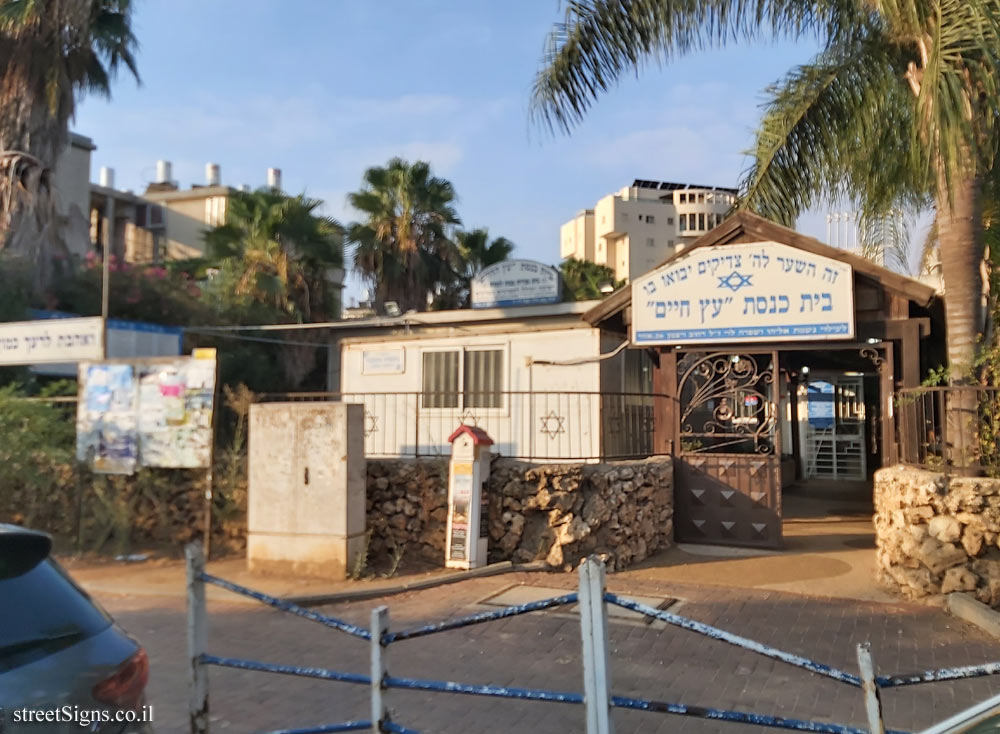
(582, 360)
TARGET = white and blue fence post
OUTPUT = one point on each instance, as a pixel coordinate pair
(873, 701)
(380, 711)
(594, 633)
(197, 639)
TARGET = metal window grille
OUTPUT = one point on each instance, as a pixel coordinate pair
(483, 378)
(440, 379)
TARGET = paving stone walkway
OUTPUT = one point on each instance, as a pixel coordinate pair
(542, 650)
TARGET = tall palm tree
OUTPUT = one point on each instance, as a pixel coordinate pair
(402, 245)
(51, 53)
(899, 107)
(279, 251)
(475, 252)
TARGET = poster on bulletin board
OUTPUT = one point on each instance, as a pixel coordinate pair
(147, 413)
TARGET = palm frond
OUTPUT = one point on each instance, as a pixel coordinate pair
(600, 40)
(824, 137)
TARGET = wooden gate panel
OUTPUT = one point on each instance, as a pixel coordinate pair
(728, 499)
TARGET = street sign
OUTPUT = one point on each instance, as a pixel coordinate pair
(51, 341)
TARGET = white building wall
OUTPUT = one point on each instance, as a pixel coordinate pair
(549, 411)
(576, 237)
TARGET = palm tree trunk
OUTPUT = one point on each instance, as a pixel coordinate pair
(961, 242)
(30, 229)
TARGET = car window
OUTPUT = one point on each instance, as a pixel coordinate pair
(44, 611)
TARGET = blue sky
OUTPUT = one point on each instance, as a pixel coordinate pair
(323, 90)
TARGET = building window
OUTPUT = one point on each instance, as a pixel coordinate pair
(701, 198)
(682, 198)
(670, 220)
(480, 371)
(683, 222)
(155, 216)
(650, 218)
(215, 210)
(440, 379)
(701, 221)
(483, 378)
(670, 243)
(650, 242)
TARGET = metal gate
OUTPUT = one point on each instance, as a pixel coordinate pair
(835, 430)
(727, 476)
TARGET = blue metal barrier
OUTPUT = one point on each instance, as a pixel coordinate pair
(738, 717)
(511, 611)
(752, 645)
(346, 726)
(936, 676)
(597, 697)
(287, 606)
(298, 670)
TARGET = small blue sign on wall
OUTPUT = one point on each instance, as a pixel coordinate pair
(821, 396)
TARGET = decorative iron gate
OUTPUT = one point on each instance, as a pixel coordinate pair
(727, 476)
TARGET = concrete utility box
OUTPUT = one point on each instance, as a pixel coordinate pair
(306, 494)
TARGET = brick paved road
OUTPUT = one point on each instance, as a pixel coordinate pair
(543, 650)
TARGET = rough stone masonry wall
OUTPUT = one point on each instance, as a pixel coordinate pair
(559, 513)
(936, 534)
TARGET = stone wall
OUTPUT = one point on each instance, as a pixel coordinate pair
(559, 513)
(938, 534)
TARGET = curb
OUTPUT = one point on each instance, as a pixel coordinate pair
(974, 612)
(494, 569)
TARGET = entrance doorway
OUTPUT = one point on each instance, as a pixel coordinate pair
(833, 432)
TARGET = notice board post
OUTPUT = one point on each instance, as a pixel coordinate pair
(152, 413)
(210, 469)
(468, 525)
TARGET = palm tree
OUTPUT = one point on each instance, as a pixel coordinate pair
(475, 252)
(279, 252)
(51, 54)
(584, 280)
(898, 108)
(402, 247)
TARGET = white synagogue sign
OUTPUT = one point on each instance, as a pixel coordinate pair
(516, 283)
(51, 340)
(746, 292)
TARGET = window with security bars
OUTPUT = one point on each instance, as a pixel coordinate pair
(483, 378)
(480, 372)
(440, 379)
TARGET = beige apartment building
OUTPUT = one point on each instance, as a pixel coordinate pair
(185, 214)
(635, 229)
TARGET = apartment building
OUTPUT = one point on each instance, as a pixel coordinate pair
(635, 229)
(188, 212)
